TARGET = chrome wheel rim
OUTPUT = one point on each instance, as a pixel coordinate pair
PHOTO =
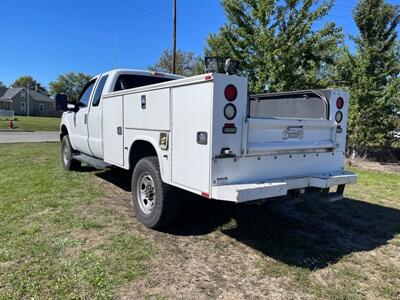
(65, 155)
(145, 192)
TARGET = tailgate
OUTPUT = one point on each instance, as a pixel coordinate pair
(263, 136)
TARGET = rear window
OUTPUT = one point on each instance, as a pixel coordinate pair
(128, 81)
(293, 106)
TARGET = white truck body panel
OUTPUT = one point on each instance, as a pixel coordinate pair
(95, 126)
(266, 156)
(79, 132)
(191, 113)
(155, 116)
(113, 139)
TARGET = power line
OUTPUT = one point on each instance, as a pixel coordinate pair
(189, 34)
(147, 11)
(165, 18)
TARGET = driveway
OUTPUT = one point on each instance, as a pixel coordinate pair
(28, 137)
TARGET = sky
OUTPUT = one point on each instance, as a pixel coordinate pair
(46, 38)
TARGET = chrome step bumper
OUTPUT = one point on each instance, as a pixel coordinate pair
(279, 187)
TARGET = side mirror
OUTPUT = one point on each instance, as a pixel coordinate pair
(71, 106)
(61, 101)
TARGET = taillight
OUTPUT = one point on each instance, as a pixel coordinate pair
(339, 116)
(230, 92)
(230, 111)
(339, 103)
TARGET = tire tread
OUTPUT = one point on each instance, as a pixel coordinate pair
(168, 206)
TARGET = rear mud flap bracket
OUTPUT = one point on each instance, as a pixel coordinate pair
(334, 196)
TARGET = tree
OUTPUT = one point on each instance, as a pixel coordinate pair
(276, 43)
(2, 84)
(187, 64)
(25, 81)
(372, 74)
(70, 83)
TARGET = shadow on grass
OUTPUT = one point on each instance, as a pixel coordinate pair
(311, 235)
(118, 177)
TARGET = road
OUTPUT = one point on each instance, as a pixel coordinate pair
(29, 137)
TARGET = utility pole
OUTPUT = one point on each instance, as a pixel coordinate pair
(174, 39)
(28, 99)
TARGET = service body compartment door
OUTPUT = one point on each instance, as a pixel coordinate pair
(113, 130)
(147, 110)
(191, 119)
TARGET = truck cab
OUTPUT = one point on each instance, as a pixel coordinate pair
(84, 122)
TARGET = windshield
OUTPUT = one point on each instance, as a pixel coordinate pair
(130, 81)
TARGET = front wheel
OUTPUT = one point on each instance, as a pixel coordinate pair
(66, 155)
(155, 203)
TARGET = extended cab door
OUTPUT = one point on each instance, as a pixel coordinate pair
(79, 133)
(95, 120)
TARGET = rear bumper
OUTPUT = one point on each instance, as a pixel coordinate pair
(279, 187)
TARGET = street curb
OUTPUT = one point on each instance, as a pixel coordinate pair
(16, 130)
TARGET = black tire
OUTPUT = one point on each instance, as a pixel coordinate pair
(68, 162)
(164, 198)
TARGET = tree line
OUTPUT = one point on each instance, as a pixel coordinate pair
(280, 48)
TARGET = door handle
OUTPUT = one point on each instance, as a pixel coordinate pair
(119, 130)
(143, 101)
(85, 120)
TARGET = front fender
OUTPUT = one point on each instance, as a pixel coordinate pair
(66, 119)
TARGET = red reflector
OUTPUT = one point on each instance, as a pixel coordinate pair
(339, 103)
(230, 92)
(206, 195)
(229, 128)
(208, 77)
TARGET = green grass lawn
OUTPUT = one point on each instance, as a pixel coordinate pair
(66, 235)
(46, 215)
(33, 123)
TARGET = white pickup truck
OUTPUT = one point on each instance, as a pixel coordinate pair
(206, 135)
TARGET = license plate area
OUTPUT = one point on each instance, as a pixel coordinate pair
(292, 134)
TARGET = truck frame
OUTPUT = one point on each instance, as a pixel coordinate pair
(205, 134)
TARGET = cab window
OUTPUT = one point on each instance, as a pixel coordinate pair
(99, 90)
(85, 95)
(130, 81)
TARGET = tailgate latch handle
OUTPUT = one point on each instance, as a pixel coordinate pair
(202, 137)
(294, 127)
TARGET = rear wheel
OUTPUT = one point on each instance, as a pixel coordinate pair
(155, 203)
(67, 155)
